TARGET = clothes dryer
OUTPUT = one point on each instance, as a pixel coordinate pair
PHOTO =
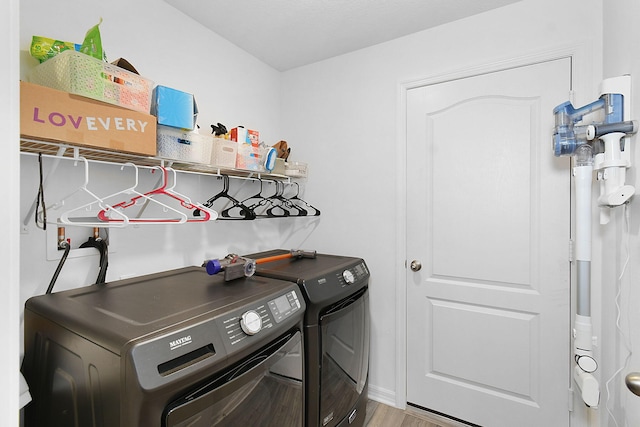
(336, 333)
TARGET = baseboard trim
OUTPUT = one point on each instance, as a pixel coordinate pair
(383, 395)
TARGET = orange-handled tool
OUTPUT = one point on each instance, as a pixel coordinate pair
(294, 253)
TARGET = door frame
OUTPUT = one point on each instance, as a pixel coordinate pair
(583, 83)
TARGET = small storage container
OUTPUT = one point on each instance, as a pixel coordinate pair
(279, 168)
(223, 153)
(174, 107)
(296, 169)
(186, 146)
(249, 158)
(81, 74)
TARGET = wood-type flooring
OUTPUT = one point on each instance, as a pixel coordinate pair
(381, 415)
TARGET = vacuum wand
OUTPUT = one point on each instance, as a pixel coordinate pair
(294, 253)
(236, 266)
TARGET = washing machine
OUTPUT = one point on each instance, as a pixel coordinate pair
(336, 333)
(177, 348)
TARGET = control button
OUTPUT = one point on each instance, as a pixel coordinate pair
(348, 277)
(251, 323)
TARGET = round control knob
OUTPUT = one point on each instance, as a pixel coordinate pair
(348, 277)
(251, 323)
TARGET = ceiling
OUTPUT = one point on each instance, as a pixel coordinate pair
(286, 34)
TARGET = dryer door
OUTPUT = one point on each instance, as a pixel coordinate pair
(249, 394)
(345, 356)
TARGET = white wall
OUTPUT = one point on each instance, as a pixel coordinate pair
(622, 346)
(9, 175)
(343, 114)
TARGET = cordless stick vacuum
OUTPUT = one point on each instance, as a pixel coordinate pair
(611, 159)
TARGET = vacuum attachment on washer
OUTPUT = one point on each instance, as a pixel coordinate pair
(236, 266)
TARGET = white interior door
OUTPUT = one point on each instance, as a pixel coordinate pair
(488, 218)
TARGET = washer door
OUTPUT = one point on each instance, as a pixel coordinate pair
(249, 394)
(345, 357)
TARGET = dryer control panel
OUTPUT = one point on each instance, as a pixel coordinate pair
(334, 285)
(354, 274)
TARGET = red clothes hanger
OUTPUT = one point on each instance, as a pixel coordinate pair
(163, 190)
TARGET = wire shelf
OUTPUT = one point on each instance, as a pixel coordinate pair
(57, 149)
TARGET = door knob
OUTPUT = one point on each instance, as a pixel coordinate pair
(633, 382)
(415, 265)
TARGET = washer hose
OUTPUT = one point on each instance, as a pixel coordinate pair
(67, 247)
(104, 262)
(101, 246)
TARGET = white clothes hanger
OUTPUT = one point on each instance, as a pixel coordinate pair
(66, 219)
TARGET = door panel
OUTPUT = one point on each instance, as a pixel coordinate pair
(488, 364)
(474, 221)
(488, 216)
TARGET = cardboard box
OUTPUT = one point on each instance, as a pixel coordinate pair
(51, 115)
(174, 108)
(240, 135)
(246, 136)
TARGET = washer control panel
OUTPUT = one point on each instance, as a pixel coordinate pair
(250, 321)
(254, 320)
(284, 306)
